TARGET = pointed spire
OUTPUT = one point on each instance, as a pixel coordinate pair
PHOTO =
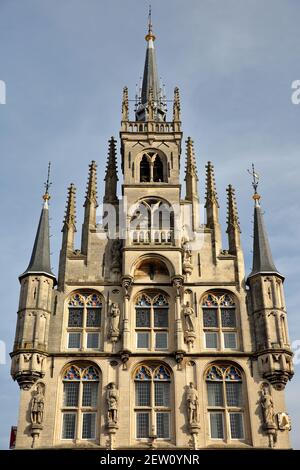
(150, 81)
(40, 258)
(90, 207)
(212, 211)
(91, 191)
(262, 256)
(191, 167)
(233, 224)
(191, 182)
(176, 105)
(70, 214)
(125, 105)
(111, 175)
(211, 193)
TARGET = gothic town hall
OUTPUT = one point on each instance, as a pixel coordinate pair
(150, 335)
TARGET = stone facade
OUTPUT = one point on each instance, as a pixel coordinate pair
(151, 336)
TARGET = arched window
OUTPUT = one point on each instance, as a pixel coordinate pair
(80, 402)
(152, 222)
(219, 321)
(84, 321)
(152, 168)
(152, 322)
(225, 402)
(144, 170)
(158, 170)
(152, 402)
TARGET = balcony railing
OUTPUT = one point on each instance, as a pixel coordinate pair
(151, 237)
(164, 127)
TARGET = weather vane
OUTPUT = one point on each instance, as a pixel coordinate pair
(47, 184)
(255, 177)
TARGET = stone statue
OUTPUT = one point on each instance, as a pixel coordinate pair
(187, 252)
(114, 319)
(112, 398)
(267, 407)
(116, 253)
(188, 313)
(37, 405)
(192, 404)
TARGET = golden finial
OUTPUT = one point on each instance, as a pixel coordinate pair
(150, 34)
(255, 181)
(46, 195)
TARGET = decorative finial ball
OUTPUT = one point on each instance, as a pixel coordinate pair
(46, 197)
(256, 197)
(150, 36)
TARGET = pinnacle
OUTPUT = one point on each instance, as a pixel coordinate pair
(232, 213)
(211, 192)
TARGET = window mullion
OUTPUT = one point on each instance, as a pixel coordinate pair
(79, 414)
(226, 414)
(221, 339)
(152, 334)
(153, 414)
(84, 333)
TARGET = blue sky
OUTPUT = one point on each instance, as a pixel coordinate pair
(65, 63)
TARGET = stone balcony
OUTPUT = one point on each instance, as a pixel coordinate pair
(152, 237)
(150, 126)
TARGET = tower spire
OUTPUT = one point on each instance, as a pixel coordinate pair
(150, 81)
(262, 256)
(40, 262)
(233, 224)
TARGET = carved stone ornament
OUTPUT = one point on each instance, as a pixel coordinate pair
(37, 411)
(116, 254)
(37, 405)
(127, 282)
(192, 401)
(284, 422)
(114, 327)
(267, 406)
(112, 398)
(188, 315)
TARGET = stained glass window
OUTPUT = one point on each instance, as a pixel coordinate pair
(152, 401)
(80, 393)
(219, 321)
(225, 402)
(84, 319)
(142, 318)
(228, 317)
(210, 317)
(152, 314)
(75, 317)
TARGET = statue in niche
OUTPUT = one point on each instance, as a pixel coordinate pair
(188, 313)
(37, 405)
(116, 253)
(192, 404)
(112, 398)
(187, 252)
(267, 405)
(114, 319)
